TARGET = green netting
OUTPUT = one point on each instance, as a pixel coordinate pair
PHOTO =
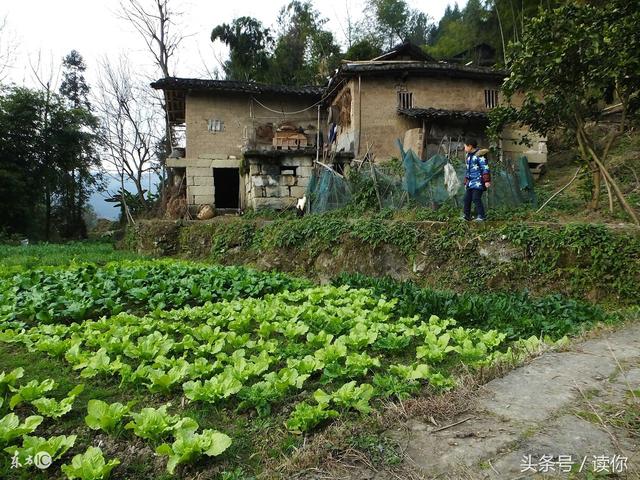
(327, 190)
(432, 183)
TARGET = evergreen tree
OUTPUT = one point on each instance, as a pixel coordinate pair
(305, 52)
(74, 141)
(248, 43)
(74, 86)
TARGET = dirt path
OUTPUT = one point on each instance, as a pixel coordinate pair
(564, 415)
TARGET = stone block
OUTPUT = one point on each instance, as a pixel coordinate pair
(275, 203)
(190, 180)
(254, 169)
(201, 199)
(257, 181)
(288, 180)
(199, 171)
(270, 169)
(273, 191)
(297, 192)
(302, 181)
(203, 181)
(201, 190)
(305, 171)
(264, 181)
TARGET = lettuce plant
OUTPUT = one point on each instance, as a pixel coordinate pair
(104, 416)
(90, 465)
(306, 417)
(189, 445)
(347, 396)
(11, 428)
(216, 388)
(152, 424)
(435, 347)
(9, 380)
(163, 382)
(50, 407)
(30, 391)
(56, 447)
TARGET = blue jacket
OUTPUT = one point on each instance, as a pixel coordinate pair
(478, 172)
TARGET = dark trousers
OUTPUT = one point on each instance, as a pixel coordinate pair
(475, 196)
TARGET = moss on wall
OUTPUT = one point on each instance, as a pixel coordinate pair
(582, 260)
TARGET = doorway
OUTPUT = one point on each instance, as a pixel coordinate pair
(226, 183)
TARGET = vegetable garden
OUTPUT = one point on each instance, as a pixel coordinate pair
(207, 368)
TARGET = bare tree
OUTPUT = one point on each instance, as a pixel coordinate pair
(130, 131)
(8, 46)
(156, 22)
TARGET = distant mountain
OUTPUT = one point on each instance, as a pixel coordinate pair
(108, 210)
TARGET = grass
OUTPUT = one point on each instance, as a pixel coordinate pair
(24, 257)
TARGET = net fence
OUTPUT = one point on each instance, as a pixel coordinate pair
(433, 183)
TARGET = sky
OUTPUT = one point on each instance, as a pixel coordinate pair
(42, 32)
(50, 29)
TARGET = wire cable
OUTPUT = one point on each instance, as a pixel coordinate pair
(282, 112)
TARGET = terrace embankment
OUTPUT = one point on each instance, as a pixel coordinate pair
(596, 262)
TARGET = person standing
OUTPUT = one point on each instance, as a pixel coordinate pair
(476, 180)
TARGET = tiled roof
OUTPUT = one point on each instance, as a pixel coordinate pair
(441, 114)
(233, 86)
(426, 68)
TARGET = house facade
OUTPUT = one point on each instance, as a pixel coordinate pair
(430, 106)
(245, 145)
(251, 145)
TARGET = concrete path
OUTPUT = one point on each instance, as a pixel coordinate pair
(560, 416)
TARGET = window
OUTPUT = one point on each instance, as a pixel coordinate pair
(491, 98)
(405, 100)
(215, 125)
(287, 170)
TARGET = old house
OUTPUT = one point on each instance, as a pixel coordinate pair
(246, 145)
(430, 105)
(250, 145)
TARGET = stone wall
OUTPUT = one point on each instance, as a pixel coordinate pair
(199, 179)
(270, 184)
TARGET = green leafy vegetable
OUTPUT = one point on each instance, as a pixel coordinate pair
(90, 465)
(189, 445)
(56, 447)
(104, 416)
(152, 424)
(30, 392)
(50, 407)
(11, 428)
(305, 417)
